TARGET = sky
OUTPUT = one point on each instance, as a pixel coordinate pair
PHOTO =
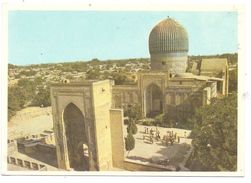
(36, 37)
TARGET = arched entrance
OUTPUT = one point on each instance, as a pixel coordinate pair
(77, 143)
(153, 100)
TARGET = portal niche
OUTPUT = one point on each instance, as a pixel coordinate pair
(153, 100)
(77, 143)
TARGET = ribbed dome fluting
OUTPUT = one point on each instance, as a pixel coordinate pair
(168, 36)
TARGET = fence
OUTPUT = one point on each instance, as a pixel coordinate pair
(26, 164)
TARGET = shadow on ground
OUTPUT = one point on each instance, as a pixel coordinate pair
(139, 158)
(175, 153)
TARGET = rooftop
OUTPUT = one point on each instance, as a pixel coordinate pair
(213, 64)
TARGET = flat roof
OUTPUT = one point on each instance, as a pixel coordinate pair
(213, 64)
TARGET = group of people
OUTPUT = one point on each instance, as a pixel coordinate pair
(167, 139)
(170, 138)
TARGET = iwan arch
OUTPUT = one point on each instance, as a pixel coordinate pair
(88, 116)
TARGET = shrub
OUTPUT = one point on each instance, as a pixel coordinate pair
(129, 142)
(132, 127)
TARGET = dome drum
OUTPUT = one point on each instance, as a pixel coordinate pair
(168, 46)
(173, 63)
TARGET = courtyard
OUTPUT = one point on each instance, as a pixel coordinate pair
(157, 151)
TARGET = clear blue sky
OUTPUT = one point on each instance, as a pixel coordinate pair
(61, 36)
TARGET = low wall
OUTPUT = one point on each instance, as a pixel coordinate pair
(40, 147)
(26, 164)
(47, 138)
(136, 166)
(12, 146)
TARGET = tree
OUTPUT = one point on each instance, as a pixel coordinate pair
(27, 89)
(233, 80)
(132, 127)
(215, 137)
(27, 73)
(133, 112)
(119, 78)
(95, 61)
(38, 81)
(70, 77)
(42, 98)
(17, 98)
(92, 74)
(129, 142)
(12, 66)
(13, 101)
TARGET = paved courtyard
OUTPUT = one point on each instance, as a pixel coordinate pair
(145, 151)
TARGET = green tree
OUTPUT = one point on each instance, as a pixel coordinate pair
(129, 142)
(70, 77)
(92, 74)
(95, 61)
(119, 78)
(215, 136)
(233, 80)
(38, 81)
(132, 127)
(12, 66)
(13, 101)
(17, 98)
(42, 98)
(27, 73)
(133, 112)
(28, 87)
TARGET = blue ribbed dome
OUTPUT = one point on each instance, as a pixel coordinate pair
(168, 36)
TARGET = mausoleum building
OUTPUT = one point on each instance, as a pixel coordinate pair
(88, 116)
(168, 85)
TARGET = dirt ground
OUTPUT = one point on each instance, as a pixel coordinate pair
(23, 124)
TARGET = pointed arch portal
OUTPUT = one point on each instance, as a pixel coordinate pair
(153, 100)
(77, 143)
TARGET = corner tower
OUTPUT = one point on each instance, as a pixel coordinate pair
(168, 47)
